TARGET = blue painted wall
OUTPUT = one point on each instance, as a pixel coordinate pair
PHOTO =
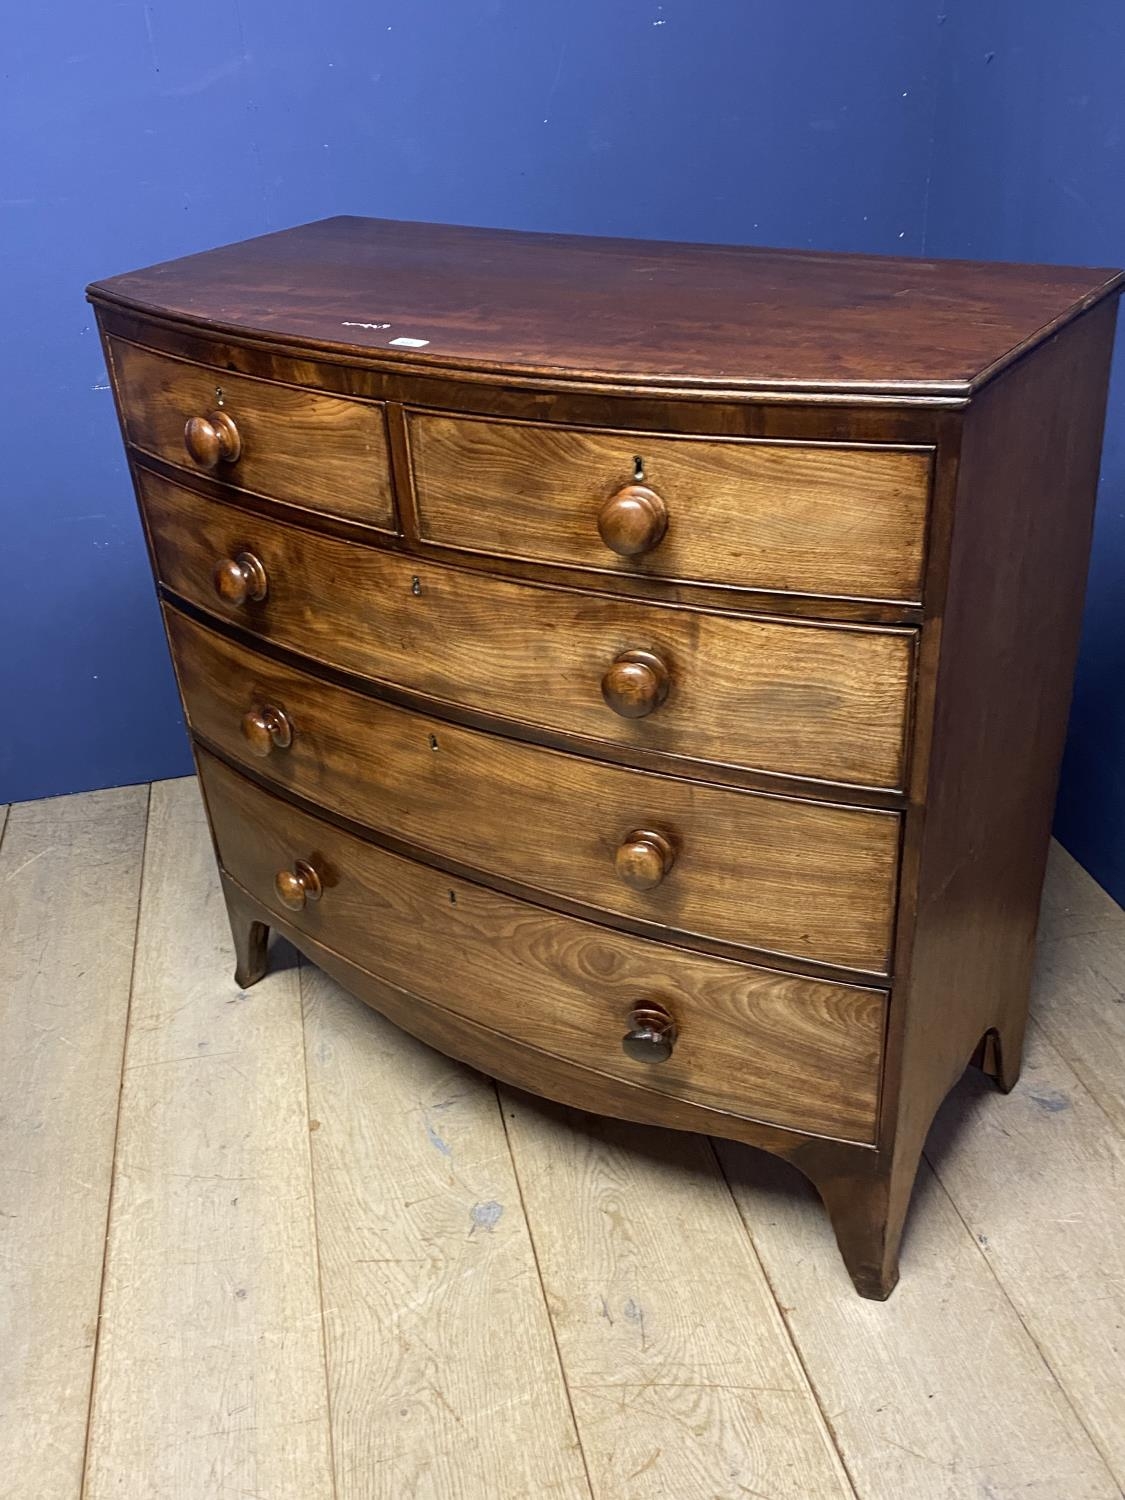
(136, 132)
(1029, 164)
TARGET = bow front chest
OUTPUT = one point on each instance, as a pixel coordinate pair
(637, 669)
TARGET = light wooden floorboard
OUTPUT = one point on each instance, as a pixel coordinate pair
(1039, 1178)
(1079, 996)
(1073, 902)
(421, 1229)
(210, 1376)
(682, 1375)
(444, 1375)
(69, 880)
(938, 1393)
(975, 1302)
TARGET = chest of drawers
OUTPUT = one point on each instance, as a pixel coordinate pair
(639, 670)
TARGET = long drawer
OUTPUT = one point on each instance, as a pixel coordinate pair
(794, 698)
(800, 1053)
(804, 879)
(320, 452)
(813, 518)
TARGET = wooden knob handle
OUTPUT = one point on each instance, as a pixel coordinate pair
(644, 859)
(212, 440)
(651, 1035)
(266, 727)
(296, 886)
(635, 684)
(633, 521)
(239, 578)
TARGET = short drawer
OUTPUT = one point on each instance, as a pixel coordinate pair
(792, 698)
(802, 879)
(801, 1053)
(324, 453)
(827, 519)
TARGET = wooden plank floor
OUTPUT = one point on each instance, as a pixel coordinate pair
(264, 1245)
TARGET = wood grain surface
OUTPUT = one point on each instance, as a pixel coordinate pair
(993, 1371)
(559, 591)
(795, 1052)
(1053, 1239)
(442, 1370)
(794, 699)
(912, 1386)
(991, 715)
(70, 872)
(817, 520)
(636, 312)
(800, 878)
(679, 1388)
(210, 1372)
(1079, 952)
(320, 452)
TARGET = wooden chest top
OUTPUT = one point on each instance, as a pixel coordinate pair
(650, 314)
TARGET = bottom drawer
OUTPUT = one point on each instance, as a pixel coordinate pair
(804, 1054)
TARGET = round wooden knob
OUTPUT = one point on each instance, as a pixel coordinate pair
(239, 578)
(644, 859)
(266, 727)
(635, 684)
(633, 521)
(212, 440)
(296, 886)
(651, 1035)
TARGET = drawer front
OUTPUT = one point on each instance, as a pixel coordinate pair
(324, 453)
(826, 519)
(801, 1053)
(804, 879)
(805, 700)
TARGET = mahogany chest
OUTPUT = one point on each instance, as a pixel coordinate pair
(637, 669)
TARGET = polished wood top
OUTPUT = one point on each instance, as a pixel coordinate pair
(632, 312)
